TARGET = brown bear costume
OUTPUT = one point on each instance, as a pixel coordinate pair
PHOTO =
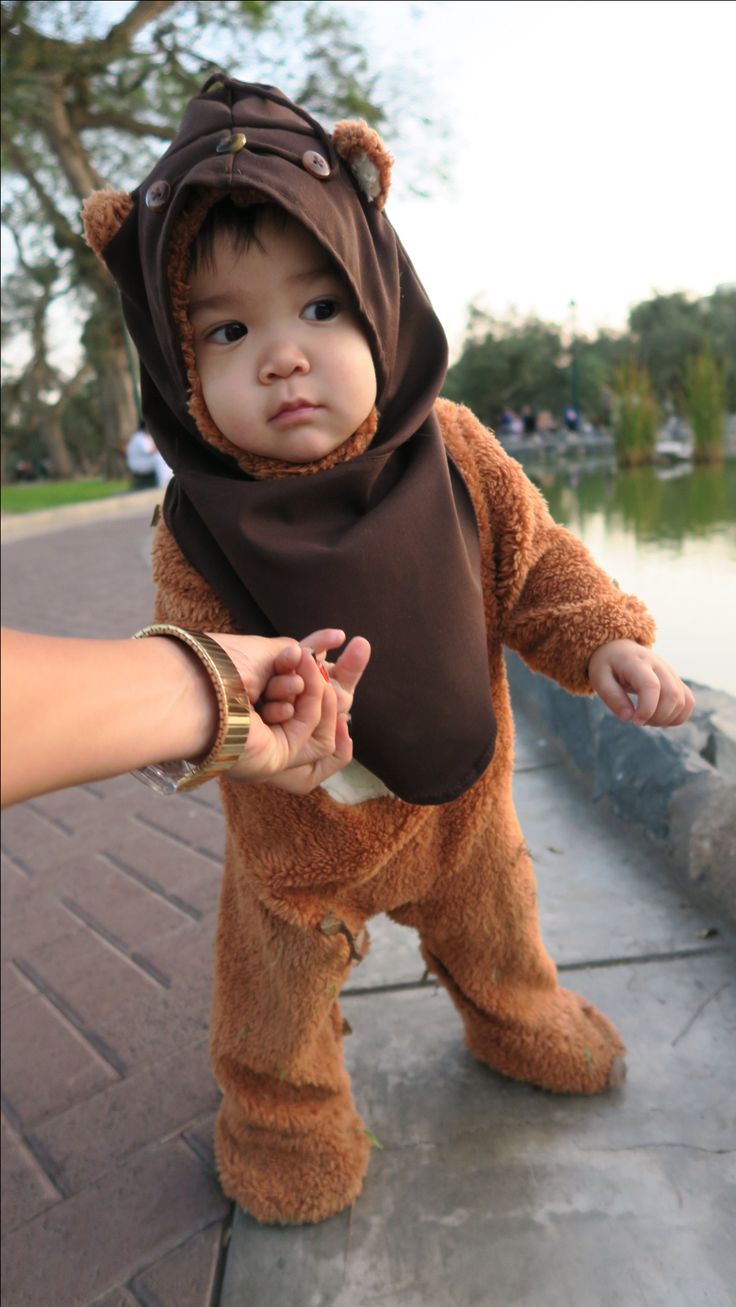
(438, 510)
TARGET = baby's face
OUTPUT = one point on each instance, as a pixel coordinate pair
(285, 368)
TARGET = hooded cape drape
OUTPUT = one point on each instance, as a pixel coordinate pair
(384, 545)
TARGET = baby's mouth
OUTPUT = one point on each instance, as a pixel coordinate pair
(299, 410)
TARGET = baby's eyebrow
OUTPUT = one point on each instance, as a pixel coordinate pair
(315, 274)
(210, 302)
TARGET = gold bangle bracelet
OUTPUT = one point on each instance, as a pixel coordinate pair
(234, 710)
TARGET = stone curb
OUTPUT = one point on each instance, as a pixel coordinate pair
(679, 786)
(21, 526)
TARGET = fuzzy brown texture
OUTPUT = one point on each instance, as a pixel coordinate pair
(103, 214)
(353, 138)
(290, 1145)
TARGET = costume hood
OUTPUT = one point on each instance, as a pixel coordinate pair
(384, 544)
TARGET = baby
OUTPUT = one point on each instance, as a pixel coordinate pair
(291, 366)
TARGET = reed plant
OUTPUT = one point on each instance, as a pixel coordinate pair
(635, 416)
(704, 402)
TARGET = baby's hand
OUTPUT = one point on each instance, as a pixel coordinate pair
(622, 667)
(277, 702)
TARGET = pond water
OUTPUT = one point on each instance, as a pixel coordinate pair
(669, 536)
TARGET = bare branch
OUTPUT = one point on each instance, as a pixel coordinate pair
(71, 387)
(82, 119)
(142, 13)
(64, 234)
(79, 169)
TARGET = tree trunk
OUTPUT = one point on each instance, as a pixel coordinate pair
(54, 443)
(105, 345)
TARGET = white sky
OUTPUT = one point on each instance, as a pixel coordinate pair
(593, 155)
(591, 145)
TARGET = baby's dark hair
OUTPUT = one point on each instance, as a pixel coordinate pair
(240, 223)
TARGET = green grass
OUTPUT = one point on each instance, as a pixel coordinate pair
(30, 496)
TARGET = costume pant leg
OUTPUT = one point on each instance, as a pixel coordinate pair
(290, 1145)
(480, 936)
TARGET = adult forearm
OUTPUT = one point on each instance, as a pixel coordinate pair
(74, 710)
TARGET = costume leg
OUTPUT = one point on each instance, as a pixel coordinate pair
(480, 936)
(289, 1143)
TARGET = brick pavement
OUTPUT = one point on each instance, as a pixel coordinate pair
(109, 894)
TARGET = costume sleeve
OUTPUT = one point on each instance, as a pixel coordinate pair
(555, 606)
(182, 595)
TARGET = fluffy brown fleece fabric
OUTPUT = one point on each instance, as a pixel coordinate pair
(365, 153)
(290, 1145)
(103, 214)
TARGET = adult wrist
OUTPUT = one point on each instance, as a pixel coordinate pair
(232, 720)
(186, 701)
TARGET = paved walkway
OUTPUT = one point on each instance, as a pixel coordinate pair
(484, 1193)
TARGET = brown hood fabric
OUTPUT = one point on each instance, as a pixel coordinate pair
(385, 544)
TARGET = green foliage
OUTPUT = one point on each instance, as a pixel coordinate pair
(665, 331)
(91, 98)
(668, 330)
(508, 364)
(51, 494)
(642, 503)
(634, 415)
(704, 403)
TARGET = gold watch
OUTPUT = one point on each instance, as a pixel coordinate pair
(234, 708)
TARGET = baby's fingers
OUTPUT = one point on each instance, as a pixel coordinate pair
(613, 695)
(676, 701)
(648, 691)
(352, 663)
(329, 637)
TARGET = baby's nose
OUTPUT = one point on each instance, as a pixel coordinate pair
(282, 359)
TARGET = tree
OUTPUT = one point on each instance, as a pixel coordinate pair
(505, 364)
(665, 331)
(508, 362)
(705, 405)
(635, 415)
(86, 103)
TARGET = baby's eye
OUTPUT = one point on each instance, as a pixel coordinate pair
(321, 310)
(226, 334)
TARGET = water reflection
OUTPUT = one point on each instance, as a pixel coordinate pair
(655, 505)
(668, 535)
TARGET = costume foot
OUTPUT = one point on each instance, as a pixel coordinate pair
(567, 1046)
(284, 1177)
(550, 1038)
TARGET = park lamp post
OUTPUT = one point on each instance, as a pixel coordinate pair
(574, 368)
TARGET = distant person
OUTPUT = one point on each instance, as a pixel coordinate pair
(23, 470)
(571, 418)
(529, 420)
(163, 471)
(140, 458)
(295, 365)
(506, 422)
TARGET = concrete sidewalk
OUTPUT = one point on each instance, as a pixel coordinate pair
(484, 1192)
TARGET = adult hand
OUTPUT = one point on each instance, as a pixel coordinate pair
(300, 734)
(622, 668)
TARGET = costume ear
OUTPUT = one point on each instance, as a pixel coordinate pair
(103, 214)
(367, 157)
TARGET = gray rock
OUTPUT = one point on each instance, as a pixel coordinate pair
(678, 785)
